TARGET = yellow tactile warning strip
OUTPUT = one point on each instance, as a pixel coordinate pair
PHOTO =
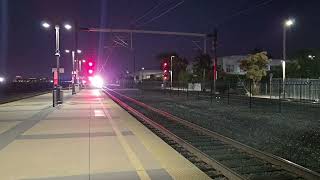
(131, 155)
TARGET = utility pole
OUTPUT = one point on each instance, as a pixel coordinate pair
(57, 54)
(74, 76)
(215, 62)
(76, 57)
(133, 56)
(171, 70)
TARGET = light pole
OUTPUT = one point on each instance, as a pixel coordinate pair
(57, 54)
(142, 73)
(287, 24)
(46, 25)
(74, 73)
(171, 58)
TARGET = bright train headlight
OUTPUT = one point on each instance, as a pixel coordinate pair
(97, 82)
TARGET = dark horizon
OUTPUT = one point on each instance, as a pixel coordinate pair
(28, 50)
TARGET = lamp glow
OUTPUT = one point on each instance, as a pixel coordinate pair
(2, 79)
(46, 25)
(67, 26)
(289, 22)
(97, 82)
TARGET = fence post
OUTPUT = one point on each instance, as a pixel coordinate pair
(266, 89)
(300, 91)
(310, 98)
(228, 92)
(280, 96)
(178, 88)
(187, 90)
(250, 98)
(270, 89)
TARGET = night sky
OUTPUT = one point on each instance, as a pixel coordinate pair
(27, 49)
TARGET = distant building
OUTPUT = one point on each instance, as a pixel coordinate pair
(148, 75)
(20, 79)
(274, 63)
(231, 64)
(189, 68)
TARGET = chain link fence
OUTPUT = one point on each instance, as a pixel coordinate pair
(295, 95)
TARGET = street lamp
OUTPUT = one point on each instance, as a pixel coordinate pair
(171, 58)
(287, 24)
(311, 57)
(2, 79)
(74, 73)
(57, 51)
(47, 25)
(68, 26)
(142, 73)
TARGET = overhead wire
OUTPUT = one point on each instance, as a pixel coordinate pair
(162, 14)
(154, 8)
(240, 12)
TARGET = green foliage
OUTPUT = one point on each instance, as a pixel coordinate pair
(305, 67)
(300, 65)
(202, 67)
(184, 77)
(255, 66)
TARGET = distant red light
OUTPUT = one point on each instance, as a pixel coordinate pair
(90, 64)
(90, 71)
(165, 64)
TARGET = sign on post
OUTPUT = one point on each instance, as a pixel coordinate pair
(55, 75)
(61, 70)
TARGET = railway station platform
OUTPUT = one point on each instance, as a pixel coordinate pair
(87, 137)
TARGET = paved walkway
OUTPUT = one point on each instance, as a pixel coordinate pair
(88, 137)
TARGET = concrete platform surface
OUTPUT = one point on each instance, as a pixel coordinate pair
(88, 137)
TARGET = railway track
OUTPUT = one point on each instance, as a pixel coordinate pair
(218, 156)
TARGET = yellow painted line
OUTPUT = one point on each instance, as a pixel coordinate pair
(131, 155)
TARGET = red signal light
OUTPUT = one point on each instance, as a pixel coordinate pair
(90, 71)
(90, 64)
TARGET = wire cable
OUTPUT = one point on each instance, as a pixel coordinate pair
(162, 14)
(149, 11)
(258, 5)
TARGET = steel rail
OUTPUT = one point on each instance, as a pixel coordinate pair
(229, 173)
(281, 162)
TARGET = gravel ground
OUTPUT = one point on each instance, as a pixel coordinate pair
(293, 135)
